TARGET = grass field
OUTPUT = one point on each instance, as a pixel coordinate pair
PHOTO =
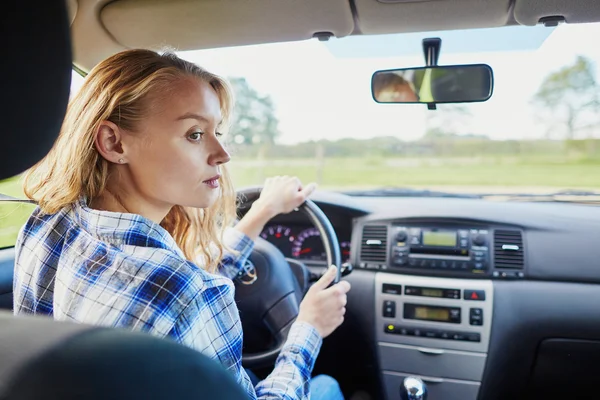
(471, 173)
(12, 215)
(452, 174)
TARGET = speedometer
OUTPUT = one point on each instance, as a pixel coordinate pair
(281, 236)
(309, 246)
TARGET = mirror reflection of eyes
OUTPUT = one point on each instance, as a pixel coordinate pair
(440, 84)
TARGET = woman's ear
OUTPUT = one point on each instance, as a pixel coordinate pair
(108, 142)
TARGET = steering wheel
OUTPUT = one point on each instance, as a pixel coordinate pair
(268, 293)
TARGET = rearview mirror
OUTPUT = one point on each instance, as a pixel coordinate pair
(436, 84)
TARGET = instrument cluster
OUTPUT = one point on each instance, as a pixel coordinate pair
(302, 242)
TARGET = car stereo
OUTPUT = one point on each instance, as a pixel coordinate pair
(463, 249)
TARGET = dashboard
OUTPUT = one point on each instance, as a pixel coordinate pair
(465, 293)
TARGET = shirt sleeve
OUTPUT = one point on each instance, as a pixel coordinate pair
(291, 377)
(210, 323)
(233, 261)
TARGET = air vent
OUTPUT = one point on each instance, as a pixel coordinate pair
(374, 243)
(508, 249)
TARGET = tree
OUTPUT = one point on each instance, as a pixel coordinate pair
(570, 99)
(254, 119)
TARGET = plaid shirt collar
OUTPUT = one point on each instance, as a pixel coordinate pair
(124, 228)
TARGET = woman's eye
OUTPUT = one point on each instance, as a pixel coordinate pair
(195, 136)
(218, 134)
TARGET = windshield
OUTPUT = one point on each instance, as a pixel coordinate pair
(306, 109)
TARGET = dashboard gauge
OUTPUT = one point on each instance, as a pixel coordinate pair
(345, 248)
(308, 245)
(281, 236)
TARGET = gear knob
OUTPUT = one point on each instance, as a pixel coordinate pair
(413, 388)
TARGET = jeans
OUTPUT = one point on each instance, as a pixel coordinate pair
(322, 387)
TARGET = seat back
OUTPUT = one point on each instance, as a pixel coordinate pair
(43, 359)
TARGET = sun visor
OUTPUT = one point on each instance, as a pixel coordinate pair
(530, 12)
(398, 16)
(190, 25)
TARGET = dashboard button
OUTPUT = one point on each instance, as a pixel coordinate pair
(473, 337)
(431, 334)
(476, 295)
(417, 332)
(479, 265)
(458, 336)
(434, 263)
(391, 289)
(476, 316)
(389, 309)
(405, 331)
(413, 262)
(400, 260)
(445, 335)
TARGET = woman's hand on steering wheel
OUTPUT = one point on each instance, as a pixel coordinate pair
(282, 195)
(324, 307)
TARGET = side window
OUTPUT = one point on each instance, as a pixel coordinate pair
(14, 215)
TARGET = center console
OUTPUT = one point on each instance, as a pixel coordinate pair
(434, 328)
(434, 297)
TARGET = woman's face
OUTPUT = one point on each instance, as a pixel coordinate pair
(175, 155)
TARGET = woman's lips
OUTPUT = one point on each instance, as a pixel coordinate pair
(213, 182)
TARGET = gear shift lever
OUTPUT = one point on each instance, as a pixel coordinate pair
(413, 388)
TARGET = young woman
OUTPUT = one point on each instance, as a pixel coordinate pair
(134, 224)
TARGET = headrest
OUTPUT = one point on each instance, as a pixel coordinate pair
(36, 77)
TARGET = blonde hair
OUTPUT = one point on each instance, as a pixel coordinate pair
(120, 90)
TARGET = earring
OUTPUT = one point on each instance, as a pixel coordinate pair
(121, 161)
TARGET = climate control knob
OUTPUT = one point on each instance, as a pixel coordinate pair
(478, 240)
(401, 236)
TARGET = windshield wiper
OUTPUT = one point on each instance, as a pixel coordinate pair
(408, 192)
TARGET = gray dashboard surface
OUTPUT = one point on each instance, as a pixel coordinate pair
(562, 240)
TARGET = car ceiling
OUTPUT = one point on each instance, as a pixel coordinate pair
(101, 28)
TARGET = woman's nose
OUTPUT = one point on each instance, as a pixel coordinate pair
(218, 155)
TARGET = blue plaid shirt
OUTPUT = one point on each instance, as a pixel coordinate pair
(123, 270)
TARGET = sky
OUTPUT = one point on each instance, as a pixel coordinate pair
(322, 89)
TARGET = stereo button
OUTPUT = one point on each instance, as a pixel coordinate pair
(431, 334)
(389, 309)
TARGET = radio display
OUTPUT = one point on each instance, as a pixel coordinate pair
(430, 292)
(432, 314)
(424, 312)
(439, 238)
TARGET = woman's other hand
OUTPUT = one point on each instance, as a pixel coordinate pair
(324, 307)
(280, 195)
(283, 194)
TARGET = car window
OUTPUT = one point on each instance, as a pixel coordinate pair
(14, 215)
